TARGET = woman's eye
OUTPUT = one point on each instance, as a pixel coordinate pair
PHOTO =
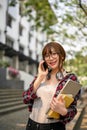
(54, 53)
(46, 55)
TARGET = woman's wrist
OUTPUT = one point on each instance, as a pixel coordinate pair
(37, 82)
(64, 112)
(40, 77)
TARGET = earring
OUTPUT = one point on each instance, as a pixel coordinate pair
(59, 75)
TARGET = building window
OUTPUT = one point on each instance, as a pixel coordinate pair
(21, 49)
(37, 57)
(0, 5)
(30, 53)
(30, 36)
(20, 30)
(9, 21)
(0, 34)
(9, 42)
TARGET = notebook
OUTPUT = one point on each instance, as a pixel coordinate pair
(71, 87)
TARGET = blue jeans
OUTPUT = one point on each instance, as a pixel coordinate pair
(32, 125)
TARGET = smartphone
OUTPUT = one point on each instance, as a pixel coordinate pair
(45, 65)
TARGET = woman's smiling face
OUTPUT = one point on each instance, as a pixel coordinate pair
(54, 55)
(52, 59)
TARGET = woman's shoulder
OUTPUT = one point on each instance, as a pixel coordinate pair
(72, 75)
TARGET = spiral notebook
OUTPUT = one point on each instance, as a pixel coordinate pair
(71, 87)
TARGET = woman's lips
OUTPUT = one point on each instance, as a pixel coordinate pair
(52, 63)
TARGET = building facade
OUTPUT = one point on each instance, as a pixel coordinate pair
(20, 46)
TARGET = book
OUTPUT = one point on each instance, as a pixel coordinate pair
(71, 87)
(69, 91)
(68, 100)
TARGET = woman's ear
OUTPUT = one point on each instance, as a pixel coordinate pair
(62, 58)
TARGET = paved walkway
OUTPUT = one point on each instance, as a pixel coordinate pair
(17, 120)
(83, 125)
(14, 121)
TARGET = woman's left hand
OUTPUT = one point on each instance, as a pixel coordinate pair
(58, 105)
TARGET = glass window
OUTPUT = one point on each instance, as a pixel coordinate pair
(21, 49)
(20, 30)
(9, 20)
(9, 42)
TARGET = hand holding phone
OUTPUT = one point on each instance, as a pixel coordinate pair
(45, 65)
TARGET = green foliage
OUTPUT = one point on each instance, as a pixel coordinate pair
(4, 63)
(78, 65)
(12, 3)
(43, 16)
(73, 12)
(84, 83)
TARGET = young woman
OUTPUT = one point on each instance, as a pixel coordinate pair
(45, 87)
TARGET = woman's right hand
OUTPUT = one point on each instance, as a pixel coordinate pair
(42, 73)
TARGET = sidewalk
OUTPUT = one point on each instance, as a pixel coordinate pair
(14, 121)
(74, 122)
(17, 120)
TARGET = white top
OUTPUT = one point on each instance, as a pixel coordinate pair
(42, 104)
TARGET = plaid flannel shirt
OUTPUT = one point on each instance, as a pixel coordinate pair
(29, 96)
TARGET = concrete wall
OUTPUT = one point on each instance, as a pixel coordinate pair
(27, 78)
(11, 83)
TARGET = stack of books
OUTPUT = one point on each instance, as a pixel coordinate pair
(69, 91)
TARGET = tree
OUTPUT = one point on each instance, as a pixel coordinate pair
(79, 66)
(71, 27)
(71, 15)
(41, 13)
(68, 14)
(70, 30)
